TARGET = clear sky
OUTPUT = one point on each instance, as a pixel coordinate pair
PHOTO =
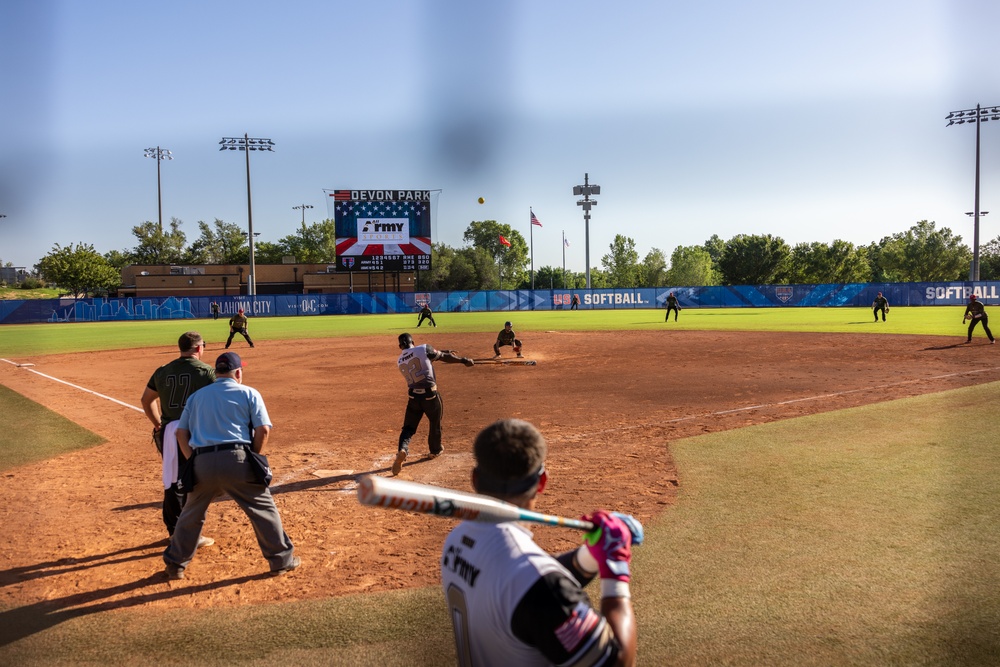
(805, 120)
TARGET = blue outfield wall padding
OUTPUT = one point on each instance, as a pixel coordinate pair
(855, 295)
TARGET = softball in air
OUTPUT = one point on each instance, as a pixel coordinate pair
(482, 200)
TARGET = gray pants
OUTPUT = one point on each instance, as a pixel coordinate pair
(228, 472)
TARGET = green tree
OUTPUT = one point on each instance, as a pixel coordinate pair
(753, 259)
(989, 260)
(219, 243)
(265, 252)
(119, 259)
(598, 279)
(512, 260)
(313, 244)
(691, 266)
(819, 263)
(622, 263)
(653, 270)
(715, 246)
(923, 253)
(79, 269)
(549, 277)
(463, 269)
(159, 247)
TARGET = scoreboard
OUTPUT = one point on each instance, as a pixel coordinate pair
(382, 230)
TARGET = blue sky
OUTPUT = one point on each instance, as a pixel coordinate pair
(808, 121)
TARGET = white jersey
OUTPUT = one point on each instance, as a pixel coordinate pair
(487, 571)
(415, 365)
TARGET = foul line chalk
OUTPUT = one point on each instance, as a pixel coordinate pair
(70, 384)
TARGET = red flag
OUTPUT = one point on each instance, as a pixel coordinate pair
(504, 241)
(534, 220)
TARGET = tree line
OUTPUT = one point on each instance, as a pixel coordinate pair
(496, 256)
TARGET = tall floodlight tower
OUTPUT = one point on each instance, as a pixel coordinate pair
(978, 116)
(246, 143)
(587, 191)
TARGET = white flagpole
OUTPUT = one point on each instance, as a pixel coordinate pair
(564, 258)
(532, 236)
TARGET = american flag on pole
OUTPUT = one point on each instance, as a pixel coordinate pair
(504, 241)
(566, 241)
(534, 220)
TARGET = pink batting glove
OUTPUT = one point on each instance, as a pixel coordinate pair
(610, 544)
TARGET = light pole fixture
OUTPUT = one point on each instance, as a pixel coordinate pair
(159, 154)
(303, 207)
(979, 115)
(246, 143)
(587, 190)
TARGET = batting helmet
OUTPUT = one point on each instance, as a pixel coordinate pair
(508, 324)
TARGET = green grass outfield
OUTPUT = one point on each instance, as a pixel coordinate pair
(868, 536)
(26, 339)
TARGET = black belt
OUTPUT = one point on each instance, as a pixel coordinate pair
(224, 447)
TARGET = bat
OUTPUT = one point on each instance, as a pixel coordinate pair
(427, 499)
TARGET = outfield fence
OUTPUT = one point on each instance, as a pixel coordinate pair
(287, 305)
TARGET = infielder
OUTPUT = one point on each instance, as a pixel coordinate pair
(426, 314)
(672, 305)
(880, 304)
(507, 337)
(163, 401)
(415, 364)
(238, 325)
(975, 313)
(512, 603)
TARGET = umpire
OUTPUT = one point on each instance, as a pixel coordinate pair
(218, 425)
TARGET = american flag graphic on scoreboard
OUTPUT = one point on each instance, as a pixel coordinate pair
(381, 227)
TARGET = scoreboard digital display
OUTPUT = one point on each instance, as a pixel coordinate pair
(382, 230)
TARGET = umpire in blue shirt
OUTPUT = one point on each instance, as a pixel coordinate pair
(217, 428)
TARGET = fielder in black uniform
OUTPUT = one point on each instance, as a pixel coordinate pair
(975, 313)
(507, 337)
(426, 314)
(415, 365)
(238, 325)
(672, 305)
(511, 602)
(880, 304)
(163, 401)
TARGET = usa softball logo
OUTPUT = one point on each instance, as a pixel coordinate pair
(349, 262)
(783, 293)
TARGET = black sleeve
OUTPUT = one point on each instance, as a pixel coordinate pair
(568, 561)
(556, 618)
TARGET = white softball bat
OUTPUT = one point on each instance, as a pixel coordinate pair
(427, 499)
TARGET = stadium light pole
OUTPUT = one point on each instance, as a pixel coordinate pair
(587, 190)
(159, 154)
(303, 207)
(979, 115)
(247, 144)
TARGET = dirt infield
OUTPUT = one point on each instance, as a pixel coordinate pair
(88, 529)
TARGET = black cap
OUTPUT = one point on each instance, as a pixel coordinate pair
(228, 362)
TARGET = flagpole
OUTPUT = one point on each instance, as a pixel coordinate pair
(532, 236)
(564, 258)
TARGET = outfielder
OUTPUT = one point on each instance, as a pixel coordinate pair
(512, 603)
(163, 401)
(975, 313)
(880, 304)
(415, 364)
(238, 325)
(507, 337)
